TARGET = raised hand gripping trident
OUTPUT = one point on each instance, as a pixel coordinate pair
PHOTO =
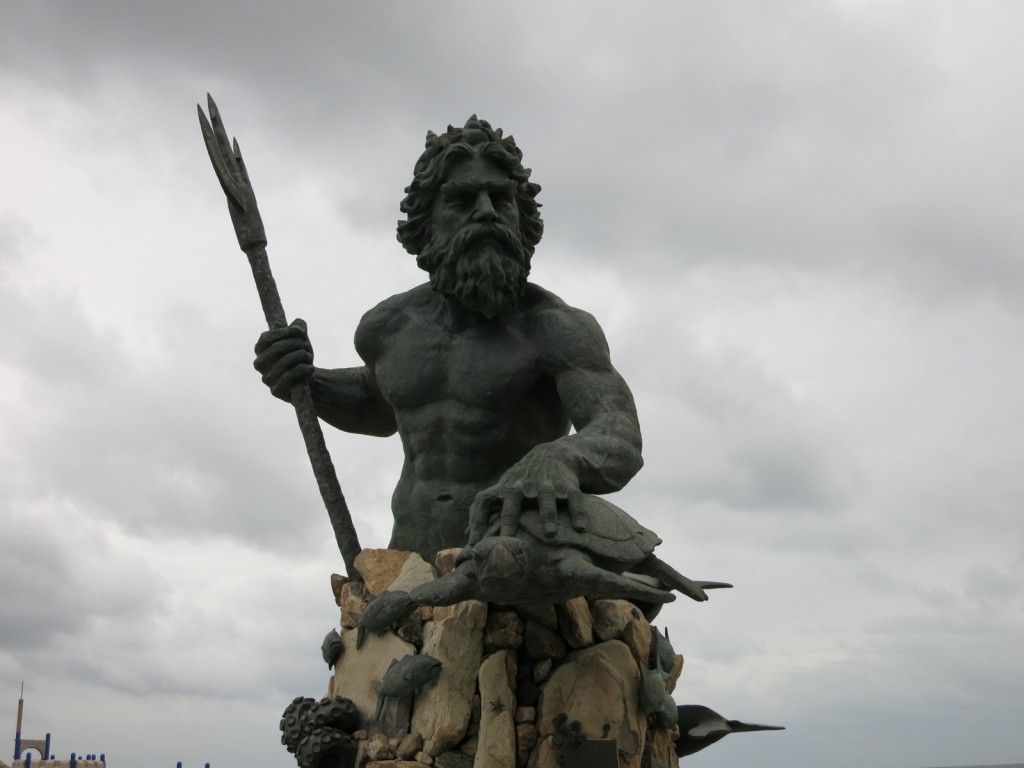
(245, 215)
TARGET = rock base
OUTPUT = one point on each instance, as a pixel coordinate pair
(508, 673)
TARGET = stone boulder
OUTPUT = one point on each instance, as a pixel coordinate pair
(599, 687)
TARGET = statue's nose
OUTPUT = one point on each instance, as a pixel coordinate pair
(484, 208)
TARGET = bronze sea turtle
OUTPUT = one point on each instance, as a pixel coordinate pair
(613, 558)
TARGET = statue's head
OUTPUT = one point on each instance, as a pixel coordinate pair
(472, 216)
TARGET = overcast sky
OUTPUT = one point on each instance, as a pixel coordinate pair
(799, 224)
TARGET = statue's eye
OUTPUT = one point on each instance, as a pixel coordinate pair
(458, 198)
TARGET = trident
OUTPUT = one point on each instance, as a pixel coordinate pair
(252, 239)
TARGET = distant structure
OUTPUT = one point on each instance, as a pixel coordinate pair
(24, 758)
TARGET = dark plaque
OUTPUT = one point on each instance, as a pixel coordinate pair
(574, 750)
(592, 753)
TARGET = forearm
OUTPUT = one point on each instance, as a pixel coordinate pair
(346, 398)
(604, 455)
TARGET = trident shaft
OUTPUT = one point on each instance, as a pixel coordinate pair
(252, 239)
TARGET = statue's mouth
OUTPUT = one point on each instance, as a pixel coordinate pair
(498, 234)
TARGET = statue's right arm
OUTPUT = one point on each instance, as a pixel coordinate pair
(346, 398)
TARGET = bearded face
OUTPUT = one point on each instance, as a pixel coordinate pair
(477, 254)
(482, 266)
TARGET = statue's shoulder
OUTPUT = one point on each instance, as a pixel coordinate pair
(563, 331)
(549, 313)
(387, 318)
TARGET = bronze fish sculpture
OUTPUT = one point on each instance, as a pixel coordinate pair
(383, 613)
(656, 701)
(405, 676)
(332, 647)
(664, 654)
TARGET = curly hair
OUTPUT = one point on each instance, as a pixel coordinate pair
(476, 138)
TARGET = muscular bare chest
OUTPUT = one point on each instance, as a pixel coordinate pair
(481, 368)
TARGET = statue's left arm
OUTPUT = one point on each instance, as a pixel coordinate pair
(604, 453)
(601, 456)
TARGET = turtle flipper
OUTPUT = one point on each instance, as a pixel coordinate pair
(670, 577)
(448, 590)
(585, 578)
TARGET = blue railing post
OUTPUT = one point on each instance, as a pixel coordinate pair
(46, 748)
(28, 760)
(74, 760)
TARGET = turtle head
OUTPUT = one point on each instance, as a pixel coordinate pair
(502, 564)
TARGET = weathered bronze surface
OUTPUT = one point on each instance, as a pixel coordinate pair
(512, 419)
(701, 726)
(233, 176)
(318, 733)
(405, 676)
(480, 372)
(530, 567)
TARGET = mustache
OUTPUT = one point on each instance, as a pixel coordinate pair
(472, 233)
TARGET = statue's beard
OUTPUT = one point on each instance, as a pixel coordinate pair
(483, 267)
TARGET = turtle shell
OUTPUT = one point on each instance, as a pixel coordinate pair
(612, 534)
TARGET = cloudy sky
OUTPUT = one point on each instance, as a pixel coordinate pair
(798, 222)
